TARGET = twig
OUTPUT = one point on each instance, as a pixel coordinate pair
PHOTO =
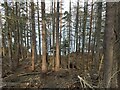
(100, 66)
(85, 83)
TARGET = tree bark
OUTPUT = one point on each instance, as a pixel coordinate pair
(44, 45)
(108, 43)
(57, 64)
(33, 35)
(98, 33)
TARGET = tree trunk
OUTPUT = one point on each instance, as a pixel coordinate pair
(89, 43)
(17, 36)
(44, 45)
(69, 35)
(9, 36)
(108, 43)
(83, 33)
(98, 33)
(76, 27)
(57, 63)
(53, 27)
(33, 35)
(60, 28)
(39, 30)
(118, 60)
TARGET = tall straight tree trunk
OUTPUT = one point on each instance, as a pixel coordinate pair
(60, 27)
(116, 49)
(108, 43)
(39, 29)
(79, 39)
(83, 33)
(9, 36)
(2, 45)
(57, 63)
(33, 35)
(98, 33)
(27, 33)
(3, 38)
(118, 76)
(17, 36)
(89, 42)
(69, 35)
(53, 28)
(116, 62)
(44, 45)
(76, 27)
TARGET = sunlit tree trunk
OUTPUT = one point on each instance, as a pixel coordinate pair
(57, 63)
(53, 34)
(44, 45)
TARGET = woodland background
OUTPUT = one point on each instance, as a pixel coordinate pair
(46, 46)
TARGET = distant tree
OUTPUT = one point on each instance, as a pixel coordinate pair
(53, 31)
(9, 34)
(69, 40)
(84, 30)
(39, 33)
(76, 26)
(60, 27)
(2, 45)
(90, 32)
(98, 35)
(16, 37)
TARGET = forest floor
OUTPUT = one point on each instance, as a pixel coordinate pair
(23, 77)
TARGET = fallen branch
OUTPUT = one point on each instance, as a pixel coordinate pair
(84, 82)
(8, 77)
(112, 77)
(31, 73)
